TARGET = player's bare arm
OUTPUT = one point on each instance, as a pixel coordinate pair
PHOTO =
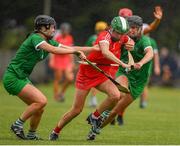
(104, 47)
(87, 49)
(148, 56)
(158, 13)
(56, 50)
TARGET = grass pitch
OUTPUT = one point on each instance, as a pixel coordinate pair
(158, 124)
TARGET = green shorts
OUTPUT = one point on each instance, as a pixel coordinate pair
(13, 84)
(136, 86)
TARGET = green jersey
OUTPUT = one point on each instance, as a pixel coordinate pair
(137, 78)
(91, 40)
(28, 55)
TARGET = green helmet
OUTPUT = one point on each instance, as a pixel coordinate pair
(120, 25)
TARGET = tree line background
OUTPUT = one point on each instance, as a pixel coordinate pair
(17, 17)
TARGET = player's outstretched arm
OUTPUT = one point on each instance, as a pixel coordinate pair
(158, 13)
(62, 49)
(87, 48)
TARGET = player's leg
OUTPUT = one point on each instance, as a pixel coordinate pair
(136, 90)
(113, 96)
(77, 107)
(36, 101)
(69, 76)
(34, 122)
(122, 104)
(144, 98)
(124, 82)
(107, 116)
(93, 98)
(57, 77)
(91, 136)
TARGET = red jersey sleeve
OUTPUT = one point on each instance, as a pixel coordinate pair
(124, 39)
(103, 36)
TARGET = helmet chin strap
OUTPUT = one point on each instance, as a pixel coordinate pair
(45, 34)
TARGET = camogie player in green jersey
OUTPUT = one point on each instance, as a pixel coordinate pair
(158, 14)
(15, 79)
(135, 79)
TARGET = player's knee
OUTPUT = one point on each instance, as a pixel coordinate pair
(42, 103)
(115, 96)
(40, 112)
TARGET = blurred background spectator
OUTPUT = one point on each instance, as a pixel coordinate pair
(169, 67)
(62, 65)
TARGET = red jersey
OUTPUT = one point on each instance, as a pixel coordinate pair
(114, 47)
(87, 76)
(63, 62)
(65, 40)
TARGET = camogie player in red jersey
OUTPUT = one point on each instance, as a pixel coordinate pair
(110, 43)
(62, 64)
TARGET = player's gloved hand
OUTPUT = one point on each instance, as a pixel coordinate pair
(138, 65)
(80, 54)
(158, 12)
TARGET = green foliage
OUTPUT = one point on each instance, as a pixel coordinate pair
(158, 124)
